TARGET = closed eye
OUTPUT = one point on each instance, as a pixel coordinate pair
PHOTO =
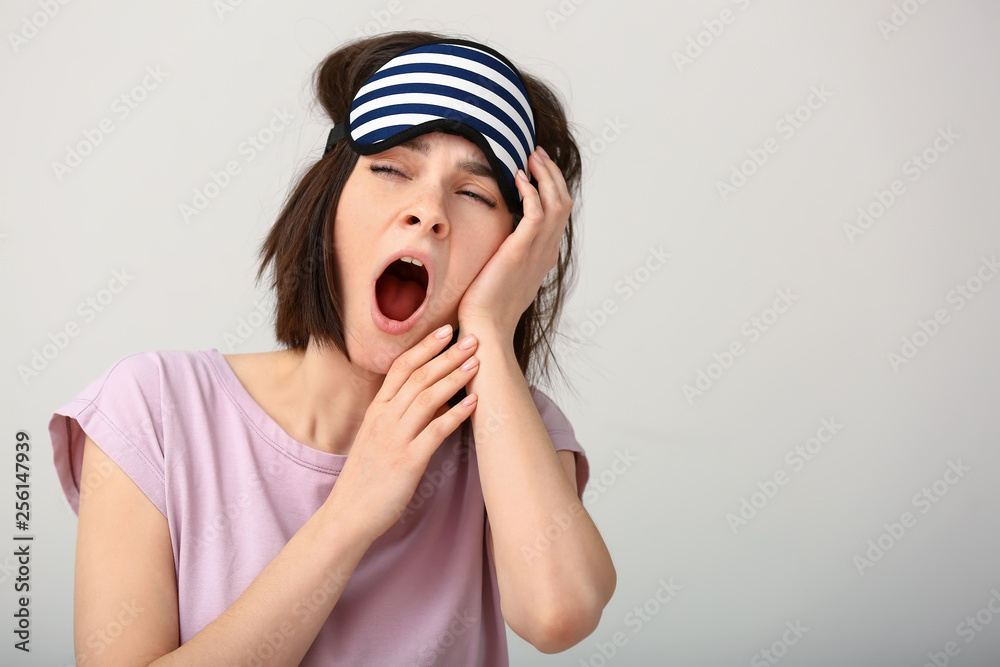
(384, 168)
(489, 202)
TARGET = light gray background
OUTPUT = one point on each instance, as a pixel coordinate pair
(658, 139)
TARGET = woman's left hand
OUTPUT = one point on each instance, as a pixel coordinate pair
(509, 281)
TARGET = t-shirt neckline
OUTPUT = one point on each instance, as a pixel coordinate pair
(265, 426)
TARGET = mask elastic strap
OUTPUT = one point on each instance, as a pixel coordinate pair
(336, 134)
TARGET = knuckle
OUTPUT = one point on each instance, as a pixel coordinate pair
(400, 364)
(435, 430)
(424, 399)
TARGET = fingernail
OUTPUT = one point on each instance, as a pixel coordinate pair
(470, 363)
(443, 332)
(520, 174)
(467, 342)
(542, 151)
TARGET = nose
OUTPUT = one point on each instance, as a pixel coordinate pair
(428, 210)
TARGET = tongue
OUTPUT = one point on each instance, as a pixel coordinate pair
(398, 299)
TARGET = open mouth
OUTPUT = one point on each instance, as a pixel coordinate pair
(401, 289)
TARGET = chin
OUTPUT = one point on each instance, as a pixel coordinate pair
(374, 355)
(374, 350)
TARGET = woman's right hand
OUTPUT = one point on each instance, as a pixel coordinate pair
(402, 429)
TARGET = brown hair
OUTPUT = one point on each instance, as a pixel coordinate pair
(299, 245)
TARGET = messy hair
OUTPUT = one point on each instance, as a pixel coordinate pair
(299, 246)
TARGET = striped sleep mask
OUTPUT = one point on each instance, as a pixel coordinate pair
(449, 85)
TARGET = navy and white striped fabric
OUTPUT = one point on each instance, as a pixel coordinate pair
(456, 86)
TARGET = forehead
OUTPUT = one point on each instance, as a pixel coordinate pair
(425, 143)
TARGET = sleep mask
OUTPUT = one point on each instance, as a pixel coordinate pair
(449, 85)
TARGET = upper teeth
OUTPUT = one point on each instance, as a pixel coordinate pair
(412, 260)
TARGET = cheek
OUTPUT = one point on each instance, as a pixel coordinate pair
(348, 248)
(476, 257)
(490, 246)
(350, 241)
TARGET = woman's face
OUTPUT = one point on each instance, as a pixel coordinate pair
(433, 198)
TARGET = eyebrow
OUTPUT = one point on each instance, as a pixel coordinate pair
(473, 167)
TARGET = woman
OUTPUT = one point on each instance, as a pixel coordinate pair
(319, 504)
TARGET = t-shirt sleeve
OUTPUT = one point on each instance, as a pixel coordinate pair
(120, 411)
(562, 435)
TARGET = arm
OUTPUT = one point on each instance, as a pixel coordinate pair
(125, 602)
(552, 591)
(126, 609)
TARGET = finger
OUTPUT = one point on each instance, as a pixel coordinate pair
(531, 201)
(556, 202)
(555, 172)
(440, 428)
(545, 221)
(551, 184)
(545, 172)
(411, 360)
(432, 371)
(427, 401)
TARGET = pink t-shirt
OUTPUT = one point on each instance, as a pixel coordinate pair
(235, 487)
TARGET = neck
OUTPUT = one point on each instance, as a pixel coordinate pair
(325, 397)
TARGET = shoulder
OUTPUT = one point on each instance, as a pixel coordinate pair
(143, 389)
(146, 372)
(127, 373)
(150, 363)
(122, 412)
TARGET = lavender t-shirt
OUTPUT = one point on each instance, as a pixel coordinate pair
(235, 487)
